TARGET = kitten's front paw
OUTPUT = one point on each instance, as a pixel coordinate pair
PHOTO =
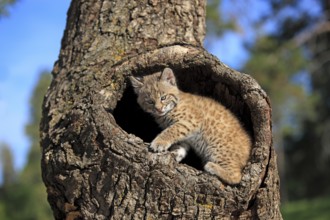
(159, 145)
(179, 154)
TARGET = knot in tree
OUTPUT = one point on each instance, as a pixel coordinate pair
(96, 163)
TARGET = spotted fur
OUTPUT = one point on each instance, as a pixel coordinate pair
(194, 121)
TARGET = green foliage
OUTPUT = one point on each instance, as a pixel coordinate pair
(316, 209)
(7, 165)
(8, 178)
(3, 215)
(26, 198)
(4, 4)
(309, 151)
(32, 170)
(33, 188)
(301, 111)
(274, 64)
(215, 24)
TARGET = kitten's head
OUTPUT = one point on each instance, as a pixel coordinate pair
(157, 93)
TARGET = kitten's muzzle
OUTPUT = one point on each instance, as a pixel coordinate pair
(159, 110)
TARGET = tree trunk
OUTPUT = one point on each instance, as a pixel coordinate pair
(96, 164)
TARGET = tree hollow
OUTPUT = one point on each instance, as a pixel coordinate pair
(111, 163)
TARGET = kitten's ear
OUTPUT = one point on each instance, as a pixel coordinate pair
(168, 76)
(136, 82)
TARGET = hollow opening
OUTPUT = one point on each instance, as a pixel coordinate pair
(130, 117)
(199, 80)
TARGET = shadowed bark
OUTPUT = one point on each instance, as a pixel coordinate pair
(96, 163)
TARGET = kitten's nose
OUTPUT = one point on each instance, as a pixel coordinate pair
(159, 110)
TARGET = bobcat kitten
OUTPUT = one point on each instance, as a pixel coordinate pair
(194, 121)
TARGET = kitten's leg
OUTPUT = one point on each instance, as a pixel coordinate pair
(180, 151)
(230, 176)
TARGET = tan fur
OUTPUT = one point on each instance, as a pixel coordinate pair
(194, 121)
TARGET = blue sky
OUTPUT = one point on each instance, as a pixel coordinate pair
(30, 42)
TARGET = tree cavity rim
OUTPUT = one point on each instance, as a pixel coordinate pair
(190, 57)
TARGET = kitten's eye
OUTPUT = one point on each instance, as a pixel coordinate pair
(163, 98)
(150, 102)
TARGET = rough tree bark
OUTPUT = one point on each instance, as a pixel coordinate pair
(96, 163)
